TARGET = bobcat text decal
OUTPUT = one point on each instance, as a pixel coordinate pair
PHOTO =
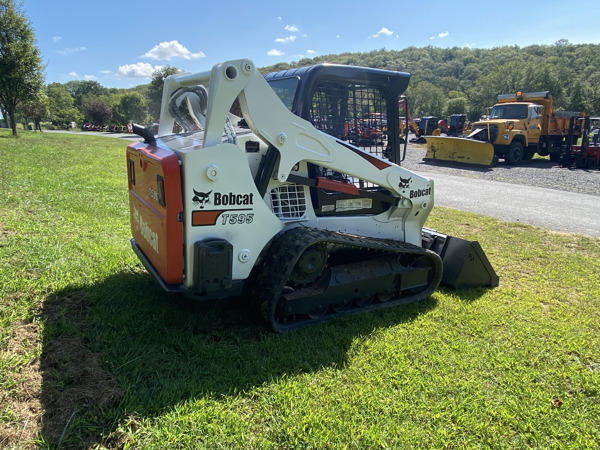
(416, 193)
(219, 199)
(420, 193)
(232, 199)
(213, 217)
(148, 234)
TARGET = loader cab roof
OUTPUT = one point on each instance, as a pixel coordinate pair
(302, 82)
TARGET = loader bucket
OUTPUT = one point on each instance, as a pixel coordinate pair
(465, 264)
(462, 150)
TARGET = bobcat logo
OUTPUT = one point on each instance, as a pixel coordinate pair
(404, 182)
(201, 198)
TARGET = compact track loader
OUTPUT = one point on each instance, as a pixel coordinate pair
(260, 196)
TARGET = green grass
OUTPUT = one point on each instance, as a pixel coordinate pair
(93, 353)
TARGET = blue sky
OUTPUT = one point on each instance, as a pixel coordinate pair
(120, 43)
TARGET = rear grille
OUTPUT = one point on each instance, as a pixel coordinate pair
(288, 202)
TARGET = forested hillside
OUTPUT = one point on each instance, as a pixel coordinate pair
(449, 80)
(444, 81)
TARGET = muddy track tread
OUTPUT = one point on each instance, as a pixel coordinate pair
(285, 250)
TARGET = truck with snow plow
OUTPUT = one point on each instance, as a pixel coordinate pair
(519, 125)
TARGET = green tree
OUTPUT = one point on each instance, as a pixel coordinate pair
(4, 122)
(426, 100)
(456, 105)
(98, 112)
(481, 74)
(504, 79)
(84, 91)
(578, 100)
(61, 110)
(595, 98)
(21, 76)
(156, 89)
(36, 110)
(130, 107)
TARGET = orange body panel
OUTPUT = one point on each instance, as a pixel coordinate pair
(155, 204)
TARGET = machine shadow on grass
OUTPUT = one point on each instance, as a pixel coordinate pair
(124, 348)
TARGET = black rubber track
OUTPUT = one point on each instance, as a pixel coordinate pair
(285, 250)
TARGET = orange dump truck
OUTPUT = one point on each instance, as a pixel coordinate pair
(518, 126)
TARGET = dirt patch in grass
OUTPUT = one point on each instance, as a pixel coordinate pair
(65, 382)
(4, 232)
(22, 403)
(75, 383)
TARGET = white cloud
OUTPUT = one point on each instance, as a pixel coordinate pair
(55, 39)
(166, 51)
(106, 72)
(384, 31)
(285, 40)
(307, 54)
(275, 52)
(440, 35)
(138, 70)
(74, 74)
(292, 28)
(69, 51)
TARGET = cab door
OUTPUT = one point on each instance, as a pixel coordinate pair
(534, 123)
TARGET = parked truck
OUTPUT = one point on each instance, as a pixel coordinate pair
(519, 125)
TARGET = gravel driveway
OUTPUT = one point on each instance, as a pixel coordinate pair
(537, 192)
(537, 172)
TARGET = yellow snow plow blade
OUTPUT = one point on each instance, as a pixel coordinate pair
(461, 150)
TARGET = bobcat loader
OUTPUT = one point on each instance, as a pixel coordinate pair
(260, 196)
